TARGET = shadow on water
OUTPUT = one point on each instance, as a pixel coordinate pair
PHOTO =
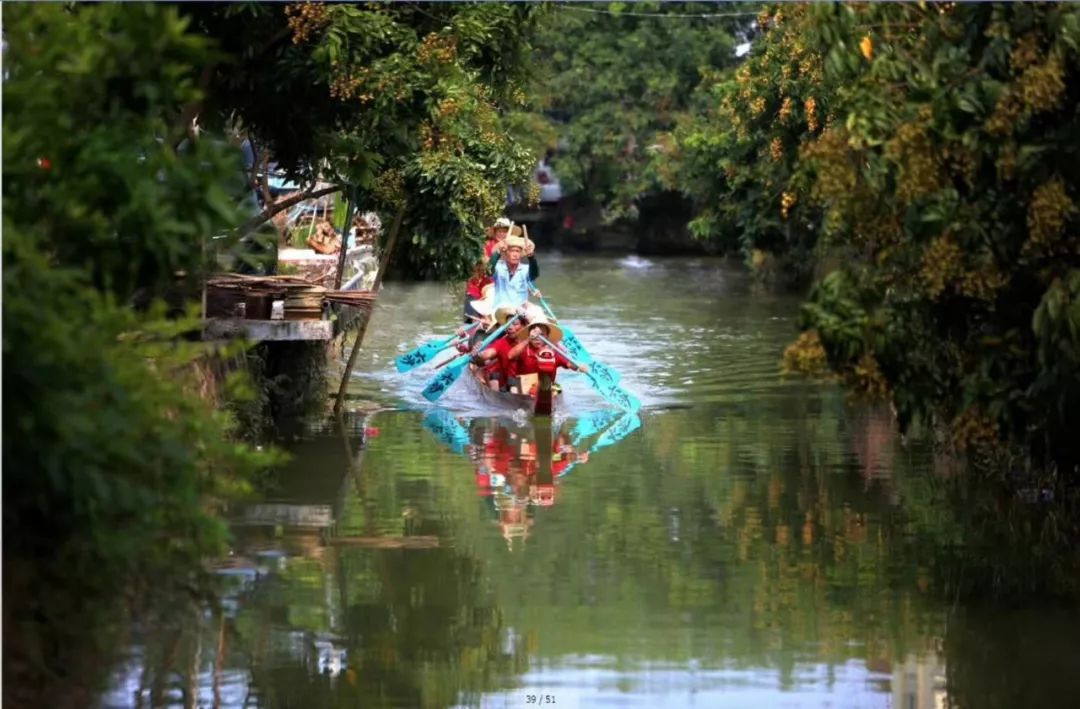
(745, 541)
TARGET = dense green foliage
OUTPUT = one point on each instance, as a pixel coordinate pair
(402, 101)
(938, 169)
(615, 80)
(116, 467)
(737, 156)
(113, 464)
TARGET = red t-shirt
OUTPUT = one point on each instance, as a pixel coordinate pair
(474, 287)
(506, 367)
(528, 363)
(489, 248)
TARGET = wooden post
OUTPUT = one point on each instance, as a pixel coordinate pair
(390, 243)
(349, 209)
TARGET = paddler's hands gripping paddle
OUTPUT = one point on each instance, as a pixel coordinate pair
(452, 372)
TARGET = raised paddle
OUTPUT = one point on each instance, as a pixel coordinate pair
(428, 351)
(446, 378)
(612, 392)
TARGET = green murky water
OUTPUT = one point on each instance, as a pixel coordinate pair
(747, 541)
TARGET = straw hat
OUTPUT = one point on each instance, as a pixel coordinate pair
(504, 313)
(554, 331)
(485, 306)
(515, 240)
(502, 223)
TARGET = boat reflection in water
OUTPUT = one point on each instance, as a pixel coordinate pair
(520, 466)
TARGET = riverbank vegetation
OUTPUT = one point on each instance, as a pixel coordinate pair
(930, 152)
(922, 157)
(123, 189)
(400, 107)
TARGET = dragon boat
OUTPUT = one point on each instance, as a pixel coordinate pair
(541, 393)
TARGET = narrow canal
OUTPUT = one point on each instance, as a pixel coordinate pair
(747, 541)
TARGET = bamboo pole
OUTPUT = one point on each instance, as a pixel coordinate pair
(395, 228)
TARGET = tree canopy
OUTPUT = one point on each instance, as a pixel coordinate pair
(404, 102)
(614, 79)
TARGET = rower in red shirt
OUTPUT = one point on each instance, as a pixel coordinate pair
(530, 348)
(474, 290)
(501, 369)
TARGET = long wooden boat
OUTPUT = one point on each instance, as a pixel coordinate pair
(542, 403)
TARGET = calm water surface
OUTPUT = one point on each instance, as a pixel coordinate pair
(747, 541)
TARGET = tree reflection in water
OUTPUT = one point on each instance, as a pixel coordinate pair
(328, 602)
(788, 548)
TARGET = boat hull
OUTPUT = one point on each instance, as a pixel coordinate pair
(543, 404)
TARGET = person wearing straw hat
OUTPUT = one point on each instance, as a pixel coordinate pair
(512, 280)
(530, 345)
(500, 370)
(481, 276)
(501, 229)
(480, 311)
(475, 288)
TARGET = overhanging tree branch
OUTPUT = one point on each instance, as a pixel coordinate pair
(265, 215)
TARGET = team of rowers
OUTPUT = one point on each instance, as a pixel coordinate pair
(498, 291)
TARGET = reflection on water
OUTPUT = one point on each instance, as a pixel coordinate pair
(519, 467)
(745, 541)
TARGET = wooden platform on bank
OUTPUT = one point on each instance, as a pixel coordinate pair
(268, 330)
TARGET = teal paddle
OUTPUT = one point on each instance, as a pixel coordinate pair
(627, 424)
(447, 429)
(454, 367)
(428, 351)
(573, 344)
(576, 349)
(588, 425)
(599, 369)
(611, 391)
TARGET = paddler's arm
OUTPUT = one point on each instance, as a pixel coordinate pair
(517, 349)
(562, 361)
(481, 357)
(534, 269)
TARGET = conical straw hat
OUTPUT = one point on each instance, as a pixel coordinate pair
(538, 318)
